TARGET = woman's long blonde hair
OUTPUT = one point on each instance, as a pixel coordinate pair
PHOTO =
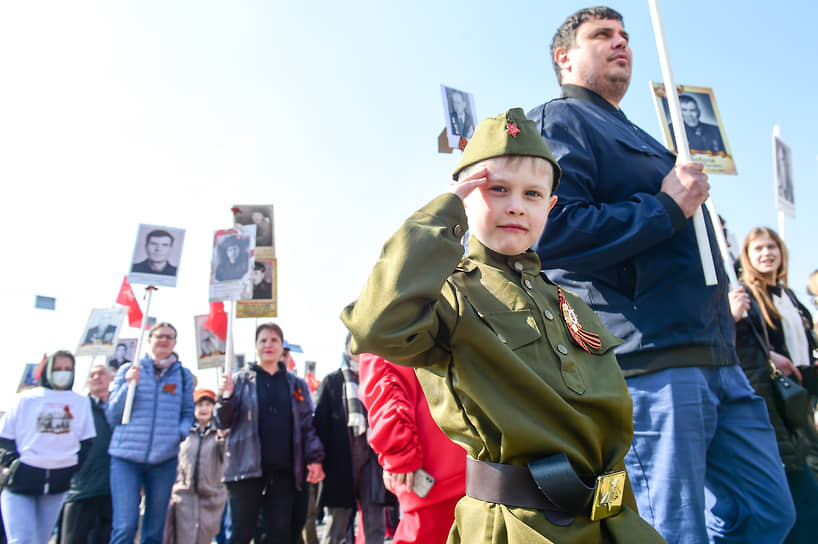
(756, 281)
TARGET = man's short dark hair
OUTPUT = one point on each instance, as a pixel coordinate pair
(259, 266)
(159, 233)
(687, 98)
(566, 35)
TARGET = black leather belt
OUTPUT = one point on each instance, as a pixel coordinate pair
(548, 484)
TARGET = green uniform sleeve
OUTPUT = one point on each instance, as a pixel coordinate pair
(407, 310)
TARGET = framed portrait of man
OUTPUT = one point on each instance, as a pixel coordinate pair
(705, 133)
(262, 217)
(156, 256)
(232, 263)
(784, 187)
(210, 349)
(262, 300)
(101, 332)
(460, 114)
(124, 352)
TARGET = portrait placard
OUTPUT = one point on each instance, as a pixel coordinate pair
(262, 218)
(101, 332)
(784, 186)
(263, 302)
(29, 378)
(123, 353)
(209, 347)
(156, 256)
(460, 114)
(231, 264)
(705, 132)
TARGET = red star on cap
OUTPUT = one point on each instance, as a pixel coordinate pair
(511, 128)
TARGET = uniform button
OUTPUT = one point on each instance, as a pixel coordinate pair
(501, 338)
(562, 349)
(458, 230)
(548, 314)
(528, 283)
(518, 266)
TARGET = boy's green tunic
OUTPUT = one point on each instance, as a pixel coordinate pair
(500, 371)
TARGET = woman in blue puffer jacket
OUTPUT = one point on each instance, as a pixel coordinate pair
(144, 452)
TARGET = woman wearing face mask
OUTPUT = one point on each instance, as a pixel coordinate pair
(43, 441)
(272, 442)
(773, 326)
(144, 452)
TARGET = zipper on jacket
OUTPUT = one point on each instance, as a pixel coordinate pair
(155, 406)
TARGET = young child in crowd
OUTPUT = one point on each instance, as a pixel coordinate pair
(199, 496)
(518, 371)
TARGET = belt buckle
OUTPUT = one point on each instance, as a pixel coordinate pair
(608, 492)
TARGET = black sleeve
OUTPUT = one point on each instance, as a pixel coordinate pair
(8, 451)
(85, 447)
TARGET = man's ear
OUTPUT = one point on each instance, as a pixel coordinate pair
(562, 59)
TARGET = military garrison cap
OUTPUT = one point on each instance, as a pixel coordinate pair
(510, 133)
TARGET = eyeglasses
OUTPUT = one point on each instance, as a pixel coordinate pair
(164, 336)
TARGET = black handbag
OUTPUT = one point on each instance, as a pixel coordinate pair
(791, 399)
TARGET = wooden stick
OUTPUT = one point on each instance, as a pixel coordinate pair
(228, 355)
(126, 414)
(683, 147)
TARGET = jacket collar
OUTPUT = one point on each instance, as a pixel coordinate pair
(524, 262)
(583, 93)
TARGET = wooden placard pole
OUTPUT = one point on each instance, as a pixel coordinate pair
(683, 147)
(126, 413)
(228, 355)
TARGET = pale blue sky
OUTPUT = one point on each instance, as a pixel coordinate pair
(116, 113)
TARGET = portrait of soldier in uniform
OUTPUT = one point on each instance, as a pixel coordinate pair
(158, 244)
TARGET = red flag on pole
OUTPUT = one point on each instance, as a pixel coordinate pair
(290, 363)
(127, 298)
(41, 368)
(217, 320)
(312, 382)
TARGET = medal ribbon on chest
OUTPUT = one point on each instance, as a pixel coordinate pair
(584, 339)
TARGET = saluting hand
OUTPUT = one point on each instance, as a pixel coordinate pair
(465, 186)
(687, 185)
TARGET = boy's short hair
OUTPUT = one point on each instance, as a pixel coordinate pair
(514, 162)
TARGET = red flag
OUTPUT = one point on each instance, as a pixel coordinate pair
(127, 298)
(312, 382)
(217, 320)
(290, 363)
(39, 373)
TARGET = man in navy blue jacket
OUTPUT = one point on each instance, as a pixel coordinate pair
(703, 463)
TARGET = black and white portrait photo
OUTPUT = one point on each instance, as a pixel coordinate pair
(99, 337)
(784, 187)
(262, 218)
(210, 348)
(703, 127)
(232, 262)
(259, 294)
(156, 256)
(460, 114)
(123, 353)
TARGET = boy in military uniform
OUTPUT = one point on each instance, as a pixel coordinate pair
(518, 371)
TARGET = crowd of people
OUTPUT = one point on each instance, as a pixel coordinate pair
(576, 383)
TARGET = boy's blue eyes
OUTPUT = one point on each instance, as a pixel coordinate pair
(501, 189)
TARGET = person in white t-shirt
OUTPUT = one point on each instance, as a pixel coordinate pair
(44, 439)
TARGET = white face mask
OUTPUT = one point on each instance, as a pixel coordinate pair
(61, 379)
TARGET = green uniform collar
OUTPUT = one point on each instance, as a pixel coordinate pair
(527, 262)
